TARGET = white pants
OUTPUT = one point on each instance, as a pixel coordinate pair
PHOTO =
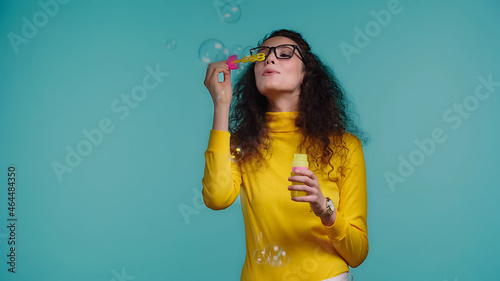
(342, 277)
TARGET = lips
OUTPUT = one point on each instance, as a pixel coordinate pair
(269, 72)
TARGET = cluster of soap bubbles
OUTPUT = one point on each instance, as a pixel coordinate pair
(272, 254)
(212, 50)
(235, 153)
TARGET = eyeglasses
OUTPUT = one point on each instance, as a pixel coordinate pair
(282, 52)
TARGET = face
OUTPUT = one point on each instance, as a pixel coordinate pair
(275, 77)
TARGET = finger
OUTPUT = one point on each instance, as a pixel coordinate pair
(301, 187)
(211, 69)
(227, 74)
(307, 198)
(214, 76)
(207, 75)
(218, 69)
(308, 173)
(302, 179)
(219, 65)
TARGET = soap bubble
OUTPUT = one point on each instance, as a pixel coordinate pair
(246, 50)
(237, 50)
(260, 256)
(277, 256)
(171, 44)
(235, 153)
(231, 12)
(212, 50)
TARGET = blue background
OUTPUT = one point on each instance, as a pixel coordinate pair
(131, 209)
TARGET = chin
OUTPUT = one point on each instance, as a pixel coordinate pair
(270, 93)
(270, 88)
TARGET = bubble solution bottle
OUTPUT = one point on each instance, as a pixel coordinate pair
(299, 163)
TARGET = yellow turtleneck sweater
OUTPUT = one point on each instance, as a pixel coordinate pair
(284, 240)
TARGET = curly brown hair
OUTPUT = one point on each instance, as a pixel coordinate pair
(323, 116)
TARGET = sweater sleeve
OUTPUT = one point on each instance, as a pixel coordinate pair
(222, 179)
(349, 232)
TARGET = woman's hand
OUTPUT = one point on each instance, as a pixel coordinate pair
(314, 195)
(221, 92)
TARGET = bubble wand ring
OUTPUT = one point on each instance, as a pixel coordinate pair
(233, 61)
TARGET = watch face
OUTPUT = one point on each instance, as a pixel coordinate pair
(330, 204)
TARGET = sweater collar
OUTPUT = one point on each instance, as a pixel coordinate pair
(281, 122)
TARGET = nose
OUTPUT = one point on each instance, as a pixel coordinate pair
(271, 57)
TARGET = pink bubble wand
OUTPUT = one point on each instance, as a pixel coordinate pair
(234, 63)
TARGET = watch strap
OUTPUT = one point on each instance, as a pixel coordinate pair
(328, 210)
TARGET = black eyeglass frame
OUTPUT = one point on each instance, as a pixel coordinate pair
(295, 47)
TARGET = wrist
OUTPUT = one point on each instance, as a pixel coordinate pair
(329, 220)
(328, 216)
(221, 118)
(222, 106)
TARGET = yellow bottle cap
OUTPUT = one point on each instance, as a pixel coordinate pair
(300, 160)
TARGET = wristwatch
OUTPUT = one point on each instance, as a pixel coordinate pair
(329, 208)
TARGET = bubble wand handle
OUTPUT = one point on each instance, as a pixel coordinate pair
(233, 61)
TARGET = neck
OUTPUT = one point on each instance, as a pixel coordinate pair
(284, 103)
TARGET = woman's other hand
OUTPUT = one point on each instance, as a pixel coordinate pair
(314, 195)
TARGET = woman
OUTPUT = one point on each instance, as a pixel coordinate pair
(289, 103)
